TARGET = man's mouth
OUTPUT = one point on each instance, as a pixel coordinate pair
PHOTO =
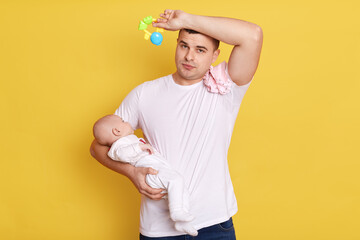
(188, 67)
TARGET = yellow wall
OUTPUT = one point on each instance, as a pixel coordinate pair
(294, 156)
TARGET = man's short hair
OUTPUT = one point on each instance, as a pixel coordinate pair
(215, 41)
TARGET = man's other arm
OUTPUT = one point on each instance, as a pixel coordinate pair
(246, 37)
(135, 174)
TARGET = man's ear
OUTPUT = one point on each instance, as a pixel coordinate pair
(116, 132)
(215, 55)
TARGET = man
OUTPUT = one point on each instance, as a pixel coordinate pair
(191, 125)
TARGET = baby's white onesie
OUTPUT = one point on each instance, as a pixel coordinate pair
(127, 149)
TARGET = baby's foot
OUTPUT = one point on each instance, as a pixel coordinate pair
(181, 215)
(186, 227)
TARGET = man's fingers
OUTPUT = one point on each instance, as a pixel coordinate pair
(153, 193)
(168, 11)
(161, 20)
(158, 196)
(159, 25)
(147, 190)
(154, 197)
(151, 171)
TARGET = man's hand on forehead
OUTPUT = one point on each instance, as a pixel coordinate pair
(171, 20)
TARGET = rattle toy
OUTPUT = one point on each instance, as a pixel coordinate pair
(155, 37)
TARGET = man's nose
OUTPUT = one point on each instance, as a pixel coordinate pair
(189, 55)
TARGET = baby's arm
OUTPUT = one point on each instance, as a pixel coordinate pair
(147, 147)
(129, 153)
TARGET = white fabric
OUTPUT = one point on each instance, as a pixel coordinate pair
(192, 129)
(127, 149)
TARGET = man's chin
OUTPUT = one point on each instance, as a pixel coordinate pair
(188, 75)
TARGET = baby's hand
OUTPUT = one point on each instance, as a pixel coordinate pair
(147, 147)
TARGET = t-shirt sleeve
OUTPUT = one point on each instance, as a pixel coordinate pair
(129, 108)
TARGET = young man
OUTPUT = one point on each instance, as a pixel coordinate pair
(190, 123)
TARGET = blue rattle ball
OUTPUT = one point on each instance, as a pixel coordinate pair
(156, 38)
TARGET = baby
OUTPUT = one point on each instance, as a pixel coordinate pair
(112, 131)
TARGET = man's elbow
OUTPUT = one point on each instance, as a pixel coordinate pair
(258, 36)
(92, 151)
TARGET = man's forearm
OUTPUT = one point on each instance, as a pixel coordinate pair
(99, 152)
(229, 30)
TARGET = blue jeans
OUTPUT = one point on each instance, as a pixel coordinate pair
(221, 231)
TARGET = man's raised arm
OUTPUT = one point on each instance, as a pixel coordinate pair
(135, 174)
(246, 37)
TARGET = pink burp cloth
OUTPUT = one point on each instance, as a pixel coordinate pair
(216, 80)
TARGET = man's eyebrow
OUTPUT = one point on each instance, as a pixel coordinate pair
(202, 47)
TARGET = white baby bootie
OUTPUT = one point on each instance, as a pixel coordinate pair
(186, 227)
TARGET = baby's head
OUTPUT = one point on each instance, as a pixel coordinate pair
(110, 128)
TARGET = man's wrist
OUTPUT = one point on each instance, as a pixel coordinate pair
(188, 21)
(130, 172)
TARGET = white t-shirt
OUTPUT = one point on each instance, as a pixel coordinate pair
(192, 129)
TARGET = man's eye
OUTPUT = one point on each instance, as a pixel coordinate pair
(200, 51)
(183, 46)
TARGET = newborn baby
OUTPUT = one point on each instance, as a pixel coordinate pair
(112, 131)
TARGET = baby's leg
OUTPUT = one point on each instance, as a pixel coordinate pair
(186, 227)
(178, 195)
(179, 200)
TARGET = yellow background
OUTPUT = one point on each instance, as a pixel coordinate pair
(294, 155)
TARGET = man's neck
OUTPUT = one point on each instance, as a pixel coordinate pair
(182, 81)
